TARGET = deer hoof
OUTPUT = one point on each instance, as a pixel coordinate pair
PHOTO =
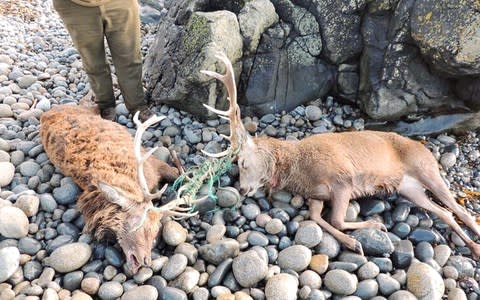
(475, 248)
(354, 245)
(377, 225)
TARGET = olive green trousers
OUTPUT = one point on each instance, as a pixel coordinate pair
(117, 22)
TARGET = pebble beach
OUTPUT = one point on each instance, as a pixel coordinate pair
(237, 247)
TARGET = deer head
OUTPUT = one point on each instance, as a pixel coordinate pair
(141, 220)
(255, 164)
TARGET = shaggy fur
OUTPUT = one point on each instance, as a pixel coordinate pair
(92, 150)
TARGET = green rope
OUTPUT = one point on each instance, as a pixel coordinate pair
(209, 171)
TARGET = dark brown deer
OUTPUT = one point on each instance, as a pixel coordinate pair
(116, 176)
(337, 167)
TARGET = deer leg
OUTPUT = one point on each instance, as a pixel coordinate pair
(436, 185)
(339, 203)
(315, 208)
(413, 190)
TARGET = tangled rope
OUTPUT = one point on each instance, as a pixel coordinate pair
(210, 171)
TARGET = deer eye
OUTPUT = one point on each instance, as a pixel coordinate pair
(243, 164)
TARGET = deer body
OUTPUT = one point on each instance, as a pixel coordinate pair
(338, 167)
(99, 156)
(369, 162)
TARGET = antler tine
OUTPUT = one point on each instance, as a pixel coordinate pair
(237, 131)
(222, 113)
(140, 159)
(216, 155)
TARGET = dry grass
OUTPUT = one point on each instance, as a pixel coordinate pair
(22, 9)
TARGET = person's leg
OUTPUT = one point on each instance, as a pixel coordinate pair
(122, 29)
(86, 28)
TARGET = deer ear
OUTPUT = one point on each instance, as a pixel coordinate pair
(114, 194)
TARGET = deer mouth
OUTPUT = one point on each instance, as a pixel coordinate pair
(133, 263)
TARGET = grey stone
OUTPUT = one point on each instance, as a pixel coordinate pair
(296, 257)
(313, 112)
(200, 32)
(175, 266)
(424, 282)
(387, 284)
(29, 168)
(142, 275)
(72, 280)
(29, 246)
(308, 234)
(144, 292)
(256, 238)
(5, 111)
(456, 294)
(328, 246)
(26, 81)
(403, 254)
(254, 18)
(70, 257)
(110, 290)
(463, 265)
(311, 279)
(249, 268)
(66, 193)
(441, 254)
(448, 160)
(28, 204)
(32, 270)
(9, 262)
(187, 281)
(368, 271)
(173, 233)
(219, 251)
(171, 293)
(402, 295)
(220, 272)
(374, 242)
(189, 250)
(282, 286)
(340, 282)
(13, 223)
(273, 226)
(227, 197)
(367, 289)
(424, 251)
(446, 36)
(250, 211)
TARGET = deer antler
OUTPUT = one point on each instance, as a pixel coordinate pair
(238, 133)
(140, 159)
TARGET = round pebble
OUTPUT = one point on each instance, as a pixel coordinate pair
(173, 233)
(9, 262)
(424, 282)
(70, 257)
(144, 292)
(110, 290)
(295, 257)
(13, 223)
(249, 268)
(281, 287)
(6, 176)
(308, 234)
(340, 282)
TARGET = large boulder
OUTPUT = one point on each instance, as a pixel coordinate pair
(394, 80)
(447, 33)
(179, 53)
(392, 57)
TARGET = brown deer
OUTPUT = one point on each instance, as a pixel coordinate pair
(337, 167)
(115, 175)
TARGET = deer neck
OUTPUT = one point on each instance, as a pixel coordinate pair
(283, 159)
